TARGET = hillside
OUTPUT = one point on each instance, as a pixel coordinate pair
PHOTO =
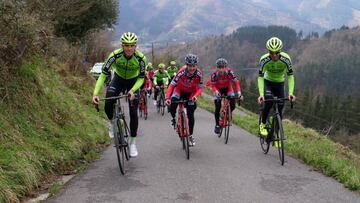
(47, 126)
(325, 68)
(170, 20)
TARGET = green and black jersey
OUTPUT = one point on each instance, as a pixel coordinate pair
(161, 77)
(172, 70)
(126, 68)
(275, 71)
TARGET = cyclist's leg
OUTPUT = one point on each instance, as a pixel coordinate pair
(217, 103)
(134, 121)
(268, 95)
(114, 89)
(155, 94)
(279, 91)
(190, 109)
(174, 97)
(231, 97)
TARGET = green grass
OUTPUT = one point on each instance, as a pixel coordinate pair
(47, 126)
(318, 151)
(55, 188)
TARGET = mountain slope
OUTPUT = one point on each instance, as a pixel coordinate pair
(167, 20)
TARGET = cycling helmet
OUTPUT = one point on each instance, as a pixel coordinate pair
(161, 65)
(221, 62)
(274, 44)
(191, 59)
(149, 66)
(129, 38)
(173, 63)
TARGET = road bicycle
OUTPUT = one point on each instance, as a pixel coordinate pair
(225, 117)
(182, 126)
(121, 133)
(161, 100)
(275, 129)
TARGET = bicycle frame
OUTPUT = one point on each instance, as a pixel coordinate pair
(143, 103)
(183, 126)
(226, 112)
(182, 119)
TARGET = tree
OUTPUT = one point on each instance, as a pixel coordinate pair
(74, 19)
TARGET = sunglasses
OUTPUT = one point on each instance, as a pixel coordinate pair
(221, 67)
(129, 45)
(274, 53)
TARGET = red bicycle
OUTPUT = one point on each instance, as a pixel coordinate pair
(182, 127)
(143, 108)
(225, 118)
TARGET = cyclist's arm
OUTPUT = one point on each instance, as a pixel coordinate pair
(261, 85)
(237, 86)
(141, 78)
(291, 81)
(155, 80)
(99, 84)
(213, 83)
(169, 91)
(104, 73)
(199, 87)
(167, 79)
(235, 81)
(262, 70)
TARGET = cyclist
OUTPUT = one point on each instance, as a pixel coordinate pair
(161, 77)
(221, 82)
(129, 68)
(273, 67)
(186, 85)
(172, 69)
(150, 75)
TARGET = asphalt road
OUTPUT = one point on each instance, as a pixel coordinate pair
(236, 172)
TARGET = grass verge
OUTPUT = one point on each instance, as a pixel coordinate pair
(47, 126)
(318, 151)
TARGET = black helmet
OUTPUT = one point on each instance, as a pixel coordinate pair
(191, 59)
(221, 62)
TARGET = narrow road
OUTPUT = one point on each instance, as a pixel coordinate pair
(236, 172)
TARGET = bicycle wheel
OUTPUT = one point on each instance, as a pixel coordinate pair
(264, 143)
(125, 138)
(162, 103)
(145, 108)
(141, 107)
(120, 153)
(221, 122)
(227, 124)
(185, 135)
(279, 137)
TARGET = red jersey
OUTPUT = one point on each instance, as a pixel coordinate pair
(223, 80)
(186, 82)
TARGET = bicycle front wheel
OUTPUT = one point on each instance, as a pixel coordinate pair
(162, 104)
(185, 135)
(264, 143)
(279, 138)
(227, 125)
(145, 108)
(120, 151)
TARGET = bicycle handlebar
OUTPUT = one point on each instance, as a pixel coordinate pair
(236, 99)
(117, 97)
(181, 101)
(279, 100)
(109, 98)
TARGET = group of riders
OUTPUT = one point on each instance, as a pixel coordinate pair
(132, 72)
